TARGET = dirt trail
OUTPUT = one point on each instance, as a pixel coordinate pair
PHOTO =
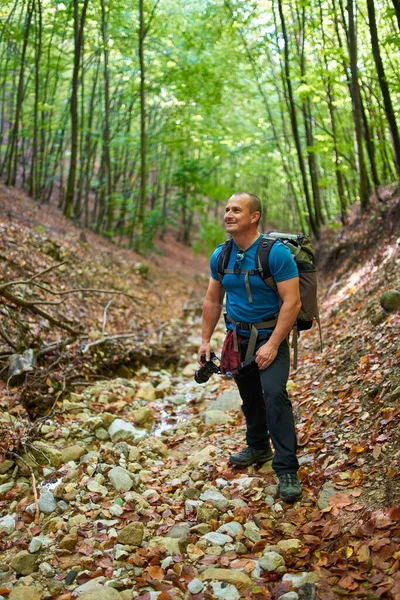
(139, 500)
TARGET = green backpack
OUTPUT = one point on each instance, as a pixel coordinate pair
(303, 253)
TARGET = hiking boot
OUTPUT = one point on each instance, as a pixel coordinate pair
(251, 456)
(289, 487)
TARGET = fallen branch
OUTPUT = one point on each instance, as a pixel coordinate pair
(74, 290)
(28, 281)
(107, 338)
(33, 307)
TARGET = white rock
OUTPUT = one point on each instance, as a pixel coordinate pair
(216, 417)
(215, 498)
(7, 523)
(90, 585)
(35, 545)
(120, 479)
(298, 579)
(115, 510)
(289, 596)
(96, 487)
(271, 561)
(195, 586)
(217, 539)
(224, 591)
(6, 487)
(47, 503)
(123, 430)
(233, 528)
(146, 392)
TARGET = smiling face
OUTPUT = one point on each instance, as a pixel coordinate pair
(238, 217)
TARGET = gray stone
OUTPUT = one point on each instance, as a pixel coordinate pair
(5, 466)
(289, 596)
(47, 503)
(214, 497)
(131, 535)
(232, 576)
(123, 430)
(46, 454)
(96, 487)
(178, 532)
(390, 300)
(217, 539)
(233, 528)
(230, 400)
(101, 434)
(292, 545)
(171, 545)
(72, 453)
(251, 532)
(298, 579)
(205, 513)
(93, 584)
(35, 545)
(327, 491)
(6, 487)
(142, 416)
(206, 455)
(101, 593)
(7, 523)
(271, 561)
(195, 586)
(223, 591)
(146, 392)
(120, 479)
(25, 592)
(23, 563)
(47, 570)
(216, 417)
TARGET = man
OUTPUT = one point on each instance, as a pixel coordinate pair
(262, 385)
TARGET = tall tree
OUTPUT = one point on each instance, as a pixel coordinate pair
(356, 100)
(79, 24)
(390, 115)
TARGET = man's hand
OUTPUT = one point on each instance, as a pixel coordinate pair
(205, 348)
(266, 355)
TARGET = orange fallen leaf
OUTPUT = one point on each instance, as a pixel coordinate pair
(156, 572)
(340, 500)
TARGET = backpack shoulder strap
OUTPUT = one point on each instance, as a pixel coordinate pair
(223, 258)
(262, 260)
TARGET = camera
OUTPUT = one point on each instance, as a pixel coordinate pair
(203, 374)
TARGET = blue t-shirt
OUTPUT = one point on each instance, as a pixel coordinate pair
(265, 301)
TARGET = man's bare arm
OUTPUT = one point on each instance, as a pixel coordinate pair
(289, 292)
(211, 313)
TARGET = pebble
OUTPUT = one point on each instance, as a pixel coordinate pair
(233, 528)
(195, 586)
(25, 592)
(47, 503)
(120, 479)
(271, 561)
(35, 545)
(215, 498)
(7, 523)
(223, 591)
(217, 539)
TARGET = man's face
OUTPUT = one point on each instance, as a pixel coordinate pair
(238, 218)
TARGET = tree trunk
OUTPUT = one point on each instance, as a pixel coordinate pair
(79, 23)
(13, 144)
(391, 118)
(362, 173)
(396, 4)
(106, 129)
(295, 131)
(143, 135)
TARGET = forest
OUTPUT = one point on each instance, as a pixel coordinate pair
(125, 127)
(130, 118)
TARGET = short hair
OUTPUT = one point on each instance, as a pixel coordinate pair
(254, 201)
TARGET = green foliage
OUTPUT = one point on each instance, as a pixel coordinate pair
(208, 237)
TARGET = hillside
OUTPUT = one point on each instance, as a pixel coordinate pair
(124, 488)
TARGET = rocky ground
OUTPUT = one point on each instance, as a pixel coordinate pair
(125, 491)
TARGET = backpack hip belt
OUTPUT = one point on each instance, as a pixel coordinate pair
(253, 328)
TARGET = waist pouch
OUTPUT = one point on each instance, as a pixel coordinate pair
(231, 354)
